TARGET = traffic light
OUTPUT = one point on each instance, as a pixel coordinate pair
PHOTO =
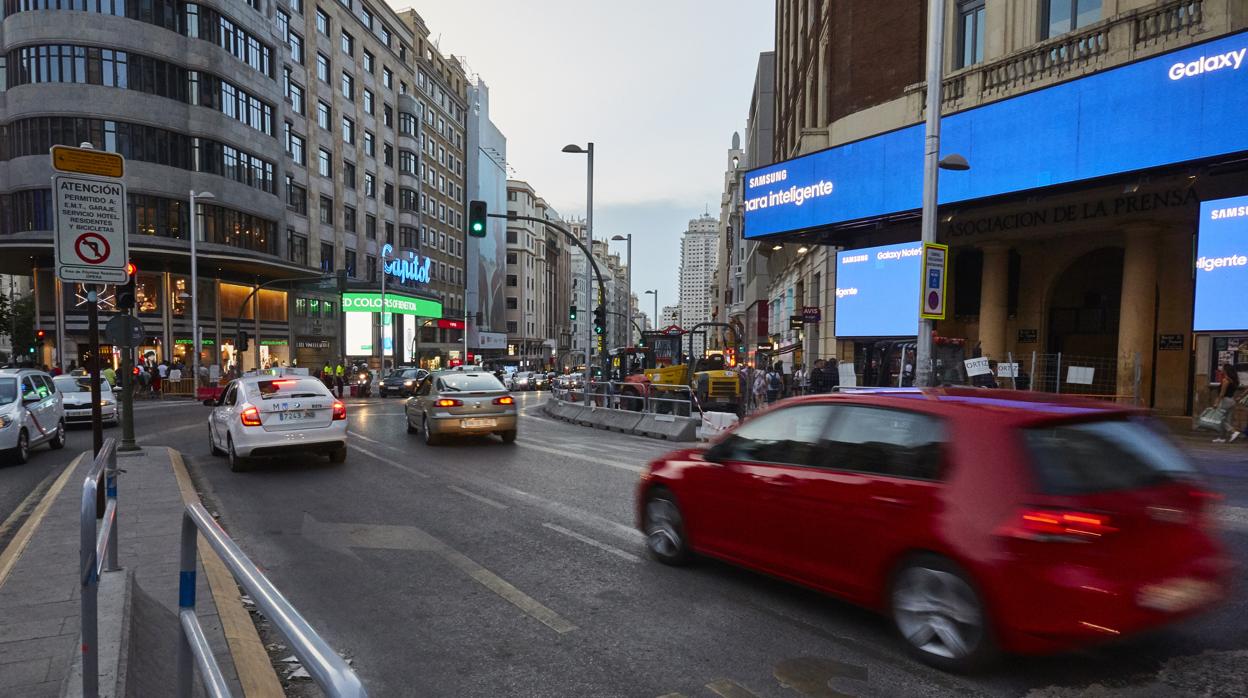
(125, 292)
(476, 218)
(244, 341)
(572, 313)
(40, 336)
(600, 320)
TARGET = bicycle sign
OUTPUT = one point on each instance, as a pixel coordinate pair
(90, 229)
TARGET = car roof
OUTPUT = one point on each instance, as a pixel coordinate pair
(1013, 406)
(19, 371)
(252, 380)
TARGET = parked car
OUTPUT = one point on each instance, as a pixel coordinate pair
(76, 397)
(976, 520)
(401, 381)
(461, 403)
(262, 416)
(31, 413)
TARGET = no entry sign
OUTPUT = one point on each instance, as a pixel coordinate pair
(90, 229)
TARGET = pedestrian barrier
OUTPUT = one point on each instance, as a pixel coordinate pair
(97, 552)
(178, 388)
(330, 671)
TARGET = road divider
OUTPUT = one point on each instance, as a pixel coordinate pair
(669, 427)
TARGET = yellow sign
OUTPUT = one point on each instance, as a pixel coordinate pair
(88, 162)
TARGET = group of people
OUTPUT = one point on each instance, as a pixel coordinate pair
(766, 384)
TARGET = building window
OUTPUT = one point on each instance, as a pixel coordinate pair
(297, 248)
(512, 327)
(970, 32)
(370, 268)
(389, 233)
(370, 185)
(388, 194)
(407, 236)
(511, 280)
(387, 78)
(387, 152)
(368, 101)
(370, 226)
(407, 124)
(324, 165)
(350, 263)
(322, 22)
(348, 174)
(322, 67)
(295, 42)
(327, 257)
(296, 197)
(370, 144)
(348, 130)
(348, 44)
(294, 91)
(511, 257)
(1063, 16)
(348, 87)
(323, 115)
(407, 199)
(387, 115)
(407, 162)
(370, 63)
(327, 210)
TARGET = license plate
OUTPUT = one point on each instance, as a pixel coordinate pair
(479, 422)
(294, 415)
(1176, 595)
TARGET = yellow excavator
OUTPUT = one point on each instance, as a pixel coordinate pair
(661, 370)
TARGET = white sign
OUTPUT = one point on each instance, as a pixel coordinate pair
(1080, 375)
(848, 379)
(1007, 370)
(977, 367)
(491, 340)
(90, 229)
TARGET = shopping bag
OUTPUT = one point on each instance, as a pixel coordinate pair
(1212, 419)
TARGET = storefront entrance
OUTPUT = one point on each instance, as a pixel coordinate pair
(1084, 305)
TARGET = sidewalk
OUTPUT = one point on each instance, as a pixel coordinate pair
(39, 597)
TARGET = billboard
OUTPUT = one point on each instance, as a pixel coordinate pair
(877, 291)
(370, 302)
(1184, 105)
(1222, 266)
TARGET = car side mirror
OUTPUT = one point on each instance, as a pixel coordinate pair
(210, 403)
(27, 399)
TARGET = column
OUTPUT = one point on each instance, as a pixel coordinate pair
(994, 301)
(1138, 313)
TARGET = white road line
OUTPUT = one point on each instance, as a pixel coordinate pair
(517, 598)
(387, 461)
(590, 541)
(1232, 518)
(479, 498)
(579, 456)
(371, 441)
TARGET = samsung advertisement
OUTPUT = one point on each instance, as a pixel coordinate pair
(1222, 266)
(877, 291)
(1184, 105)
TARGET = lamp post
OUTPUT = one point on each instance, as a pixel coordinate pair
(629, 274)
(589, 242)
(381, 316)
(195, 288)
(655, 293)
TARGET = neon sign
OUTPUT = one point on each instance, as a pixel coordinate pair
(413, 268)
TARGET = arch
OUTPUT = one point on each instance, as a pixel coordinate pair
(1083, 305)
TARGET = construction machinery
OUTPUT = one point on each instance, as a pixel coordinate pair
(662, 370)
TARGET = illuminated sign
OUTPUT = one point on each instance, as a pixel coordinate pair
(877, 291)
(1185, 105)
(413, 268)
(451, 324)
(1222, 266)
(368, 302)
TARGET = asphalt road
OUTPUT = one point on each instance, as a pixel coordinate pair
(479, 568)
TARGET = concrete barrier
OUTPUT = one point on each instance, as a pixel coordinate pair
(616, 420)
(668, 427)
(567, 411)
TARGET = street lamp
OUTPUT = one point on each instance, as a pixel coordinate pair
(655, 293)
(381, 316)
(589, 239)
(195, 289)
(629, 279)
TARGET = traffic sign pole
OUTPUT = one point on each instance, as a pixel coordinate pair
(127, 400)
(93, 337)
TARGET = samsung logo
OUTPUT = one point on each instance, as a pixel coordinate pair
(1208, 64)
(769, 178)
(1218, 214)
(854, 258)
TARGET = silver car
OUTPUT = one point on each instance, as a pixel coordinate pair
(76, 397)
(31, 413)
(461, 403)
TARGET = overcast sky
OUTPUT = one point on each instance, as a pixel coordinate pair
(658, 86)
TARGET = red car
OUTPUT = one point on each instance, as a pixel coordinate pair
(976, 520)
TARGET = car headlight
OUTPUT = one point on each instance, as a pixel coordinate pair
(408, 384)
(5, 420)
(105, 403)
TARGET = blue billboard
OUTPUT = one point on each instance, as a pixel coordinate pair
(877, 291)
(1177, 107)
(1222, 266)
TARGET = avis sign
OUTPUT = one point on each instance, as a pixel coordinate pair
(91, 244)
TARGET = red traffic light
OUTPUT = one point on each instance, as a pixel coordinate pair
(40, 334)
(131, 270)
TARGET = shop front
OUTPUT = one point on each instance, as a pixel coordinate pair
(1088, 254)
(369, 330)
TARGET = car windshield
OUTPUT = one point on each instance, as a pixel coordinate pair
(291, 387)
(78, 384)
(470, 382)
(1091, 457)
(8, 390)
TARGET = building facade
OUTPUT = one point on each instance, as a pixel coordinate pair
(487, 256)
(1064, 231)
(699, 253)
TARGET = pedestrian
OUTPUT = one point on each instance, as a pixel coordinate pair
(1228, 386)
(110, 375)
(327, 376)
(775, 383)
(340, 375)
(818, 377)
(203, 375)
(159, 376)
(760, 387)
(801, 380)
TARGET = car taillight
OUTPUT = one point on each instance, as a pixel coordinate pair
(504, 400)
(340, 410)
(250, 416)
(448, 402)
(1059, 525)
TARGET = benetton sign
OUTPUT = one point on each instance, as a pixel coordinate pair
(395, 303)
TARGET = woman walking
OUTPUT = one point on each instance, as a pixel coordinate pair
(1226, 401)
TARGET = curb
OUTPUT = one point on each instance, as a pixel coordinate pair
(13, 551)
(251, 659)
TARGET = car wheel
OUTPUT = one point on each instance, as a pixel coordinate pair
(338, 455)
(58, 439)
(665, 529)
(509, 437)
(939, 614)
(238, 464)
(212, 444)
(411, 428)
(21, 452)
(431, 439)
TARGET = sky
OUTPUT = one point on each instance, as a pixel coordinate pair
(658, 86)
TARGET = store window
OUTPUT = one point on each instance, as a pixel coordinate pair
(272, 305)
(233, 297)
(179, 296)
(147, 293)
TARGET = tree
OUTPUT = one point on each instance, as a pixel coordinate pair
(19, 322)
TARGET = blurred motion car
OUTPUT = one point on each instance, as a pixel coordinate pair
(76, 396)
(461, 403)
(977, 520)
(263, 416)
(401, 381)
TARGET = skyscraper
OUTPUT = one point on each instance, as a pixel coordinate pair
(698, 254)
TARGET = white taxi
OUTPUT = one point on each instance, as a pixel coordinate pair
(266, 416)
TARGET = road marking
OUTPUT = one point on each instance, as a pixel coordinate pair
(525, 443)
(730, 689)
(251, 660)
(147, 438)
(517, 598)
(479, 498)
(590, 541)
(1232, 518)
(371, 441)
(34, 494)
(17, 546)
(383, 459)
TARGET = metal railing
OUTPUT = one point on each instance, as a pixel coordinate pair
(327, 668)
(656, 398)
(97, 552)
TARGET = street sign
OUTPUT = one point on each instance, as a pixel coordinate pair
(812, 313)
(933, 301)
(91, 241)
(797, 322)
(88, 162)
(124, 331)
